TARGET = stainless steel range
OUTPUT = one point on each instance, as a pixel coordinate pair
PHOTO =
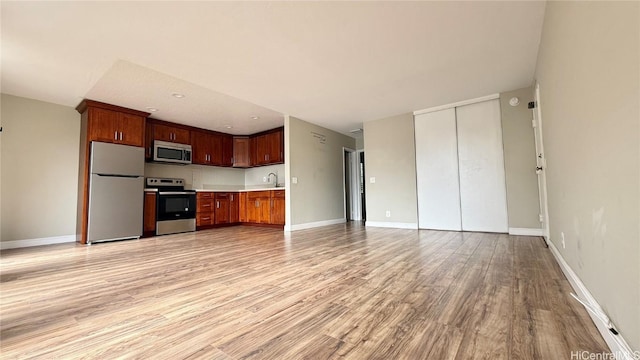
(175, 206)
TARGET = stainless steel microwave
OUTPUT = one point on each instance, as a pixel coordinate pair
(168, 152)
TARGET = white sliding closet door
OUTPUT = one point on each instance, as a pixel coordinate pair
(483, 198)
(437, 171)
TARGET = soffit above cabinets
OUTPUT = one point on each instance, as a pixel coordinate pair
(134, 86)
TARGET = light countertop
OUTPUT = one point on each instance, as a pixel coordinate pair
(247, 189)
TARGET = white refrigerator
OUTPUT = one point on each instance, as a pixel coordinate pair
(116, 192)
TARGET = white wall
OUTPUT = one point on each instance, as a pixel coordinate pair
(39, 155)
(314, 155)
(589, 70)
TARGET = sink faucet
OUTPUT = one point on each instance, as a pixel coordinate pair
(275, 176)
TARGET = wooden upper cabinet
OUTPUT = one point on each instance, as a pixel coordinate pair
(114, 124)
(148, 141)
(275, 141)
(171, 134)
(103, 125)
(132, 130)
(201, 148)
(241, 157)
(216, 149)
(227, 150)
(268, 148)
(209, 148)
(253, 151)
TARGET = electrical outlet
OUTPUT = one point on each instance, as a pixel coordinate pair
(564, 246)
(388, 214)
(264, 179)
(372, 180)
(294, 180)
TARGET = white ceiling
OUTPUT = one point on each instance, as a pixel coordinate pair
(335, 64)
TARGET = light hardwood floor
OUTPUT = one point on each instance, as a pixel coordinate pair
(341, 291)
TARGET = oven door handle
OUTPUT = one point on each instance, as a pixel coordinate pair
(176, 193)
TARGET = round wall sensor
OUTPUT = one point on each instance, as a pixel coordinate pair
(514, 101)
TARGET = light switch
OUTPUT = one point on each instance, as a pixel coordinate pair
(372, 180)
(294, 180)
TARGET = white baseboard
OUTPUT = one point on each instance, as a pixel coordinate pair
(395, 225)
(314, 224)
(526, 231)
(617, 344)
(13, 244)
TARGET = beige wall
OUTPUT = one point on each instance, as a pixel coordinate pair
(360, 143)
(39, 154)
(318, 195)
(520, 160)
(254, 176)
(588, 70)
(390, 157)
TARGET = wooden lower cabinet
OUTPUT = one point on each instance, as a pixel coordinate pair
(234, 208)
(259, 207)
(252, 207)
(221, 208)
(149, 220)
(204, 209)
(277, 207)
(242, 207)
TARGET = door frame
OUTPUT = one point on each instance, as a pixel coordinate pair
(356, 206)
(361, 184)
(541, 161)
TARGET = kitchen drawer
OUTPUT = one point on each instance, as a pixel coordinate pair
(204, 195)
(277, 193)
(251, 195)
(222, 196)
(204, 205)
(204, 219)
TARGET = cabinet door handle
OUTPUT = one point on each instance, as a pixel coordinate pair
(115, 135)
(217, 204)
(231, 197)
(120, 135)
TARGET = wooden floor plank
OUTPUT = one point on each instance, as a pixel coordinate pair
(337, 292)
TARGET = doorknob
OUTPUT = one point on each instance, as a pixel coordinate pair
(539, 168)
